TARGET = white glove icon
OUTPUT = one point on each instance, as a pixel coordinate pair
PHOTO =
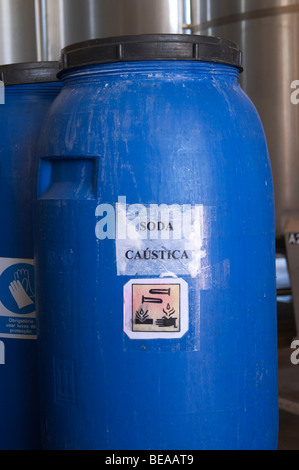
(22, 275)
(19, 294)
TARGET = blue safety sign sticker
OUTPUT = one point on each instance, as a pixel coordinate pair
(17, 298)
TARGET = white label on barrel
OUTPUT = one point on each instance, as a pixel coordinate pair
(156, 308)
(17, 298)
(162, 239)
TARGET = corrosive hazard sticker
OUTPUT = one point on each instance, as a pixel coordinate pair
(156, 308)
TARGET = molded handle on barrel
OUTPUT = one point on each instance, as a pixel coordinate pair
(67, 178)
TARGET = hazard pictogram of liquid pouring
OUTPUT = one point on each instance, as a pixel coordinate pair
(167, 320)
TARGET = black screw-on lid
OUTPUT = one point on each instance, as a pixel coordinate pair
(29, 72)
(151, 47)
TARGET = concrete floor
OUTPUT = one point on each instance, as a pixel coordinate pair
(288, 379)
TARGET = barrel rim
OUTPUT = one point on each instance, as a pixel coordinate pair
(150, 47)
(29, 72)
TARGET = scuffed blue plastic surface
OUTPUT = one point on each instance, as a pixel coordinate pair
(21, 119)
(156, 132)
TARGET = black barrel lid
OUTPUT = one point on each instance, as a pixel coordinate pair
(150, 47)
(29, 72)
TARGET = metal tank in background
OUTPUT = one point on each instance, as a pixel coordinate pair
(267, 31)
(70, 21)
(38, 29)
(18, 41)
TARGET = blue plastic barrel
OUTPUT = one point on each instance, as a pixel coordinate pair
(29, 89)
(155, 252)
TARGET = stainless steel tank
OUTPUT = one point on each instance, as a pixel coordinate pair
(18, 41)
(268, 33)
(33, 30)
(70, 21)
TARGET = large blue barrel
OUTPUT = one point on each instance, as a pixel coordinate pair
(155, 252)
(30, 89)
